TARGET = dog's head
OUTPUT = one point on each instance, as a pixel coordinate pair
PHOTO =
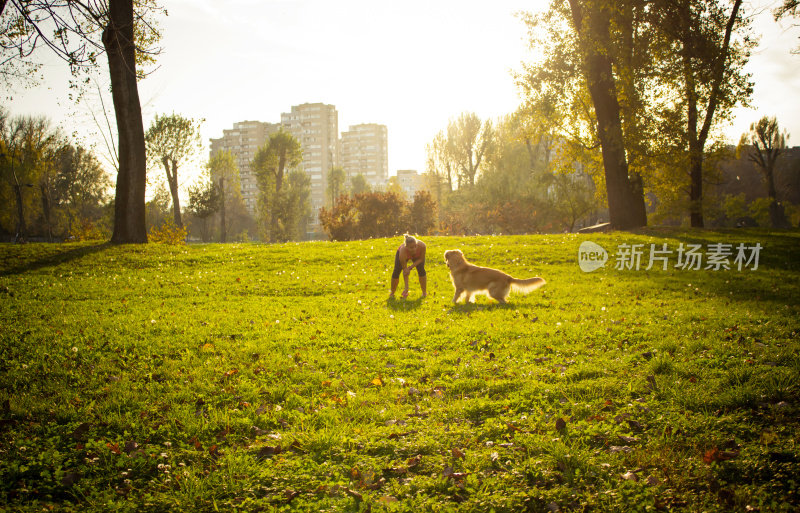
(454, 258)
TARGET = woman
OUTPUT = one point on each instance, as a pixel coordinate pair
(412, 250)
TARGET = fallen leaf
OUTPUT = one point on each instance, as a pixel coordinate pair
(70, 478)
(619, 448)
(81, 430)
(354, 494)
(630, 476)
(561, 424)
(457, 453)
(377, 382)
(268, 451)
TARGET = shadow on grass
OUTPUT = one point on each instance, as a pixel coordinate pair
(404, 304)
(59, 258)
(468, 308)
(774, 281)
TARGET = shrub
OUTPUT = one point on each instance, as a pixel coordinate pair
(85, 229)
(168, 233)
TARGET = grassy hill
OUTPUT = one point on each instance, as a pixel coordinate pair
(262, 377)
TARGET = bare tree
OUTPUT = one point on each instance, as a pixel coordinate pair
(764, 143)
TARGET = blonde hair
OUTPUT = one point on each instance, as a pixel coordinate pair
(409, 240)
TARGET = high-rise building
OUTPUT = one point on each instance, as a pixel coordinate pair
(365, 151)
(243, 140)
(316, 126)
(410, 181)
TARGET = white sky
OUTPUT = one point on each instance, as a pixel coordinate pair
(409, 65)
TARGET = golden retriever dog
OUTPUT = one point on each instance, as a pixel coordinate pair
(471, 279)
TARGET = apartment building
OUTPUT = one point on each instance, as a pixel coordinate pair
(365, 151)
(316, 126)
(243, 140)
(410, 181)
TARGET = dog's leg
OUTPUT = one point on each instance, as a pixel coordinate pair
(499, 291)
(468, 298)
(458, 295)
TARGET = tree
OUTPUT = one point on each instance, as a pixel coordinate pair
(336, 179)
(204, 201)
(341, 221)
(293, 207)
(271, 161)
(158, 206)
(441, 165)
(422, 213)
(81, 185)
(574, 91)
(708, 66)
(171, 140)
(788, 8)
(225, 173)
(592, 22)
(126, 36)
(764, 143)
(393, 185)
(28, 144)
(359, 184)
(365, 215)
(658, 75)
(468, 140)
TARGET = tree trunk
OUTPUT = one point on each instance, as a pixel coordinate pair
(129, 204)
(172, 180)
(21, 228)
(625, 198)
(46, 211)
(223, 234)
(777, 215)
(697, 140)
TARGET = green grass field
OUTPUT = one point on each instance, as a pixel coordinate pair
(279, 377)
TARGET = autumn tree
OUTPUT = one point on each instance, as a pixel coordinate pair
(27, 151)
(365, 215)
(81, 185)
(422, 213)
(271, 162)
(705, 63)
(172, 140)
(79, 33)
(763, 144)
(655, 74)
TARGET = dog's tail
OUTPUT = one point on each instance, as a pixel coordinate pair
(528, 285)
